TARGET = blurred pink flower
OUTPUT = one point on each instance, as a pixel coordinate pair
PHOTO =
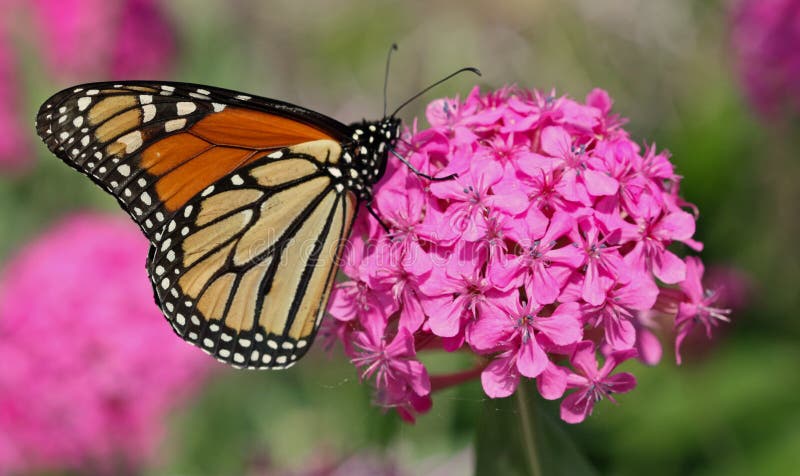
(124, 39)
(556, 231)
(90, 369)
(15, 148)
(146, 43)
(765, 36)
(697, 305)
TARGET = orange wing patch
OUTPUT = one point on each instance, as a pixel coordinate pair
(253, 129)
(188, 162)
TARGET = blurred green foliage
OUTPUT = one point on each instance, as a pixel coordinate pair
(730, 410)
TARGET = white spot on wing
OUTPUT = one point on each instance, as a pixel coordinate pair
(132, 141)
(83, 103)
(185, 107)
(149, 112)
(174, 124)
(124, 170)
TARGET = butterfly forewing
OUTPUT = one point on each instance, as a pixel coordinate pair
(245, 270)
(155, 146)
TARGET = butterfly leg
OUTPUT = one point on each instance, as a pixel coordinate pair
(377, 217)
(420, 174)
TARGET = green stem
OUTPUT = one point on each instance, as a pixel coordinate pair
(526, 418)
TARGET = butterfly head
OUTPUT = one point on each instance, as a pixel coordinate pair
(372, 143)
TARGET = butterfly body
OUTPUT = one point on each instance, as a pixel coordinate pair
(247, 203)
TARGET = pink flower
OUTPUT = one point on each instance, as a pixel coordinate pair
(542, 267)
(400, 272)
(392, 363)
(457, 292)
(356, 298)
(471, 195)
(765, 38)
(127, 39)
(91, 369)
(601, 258)
(583, 175)
(616, 314)
(523, 333)
(653, 237)
(593, 384)
(556, 229)
(696, 306)
(146, 43)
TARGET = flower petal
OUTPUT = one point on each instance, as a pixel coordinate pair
(531, 359)
(552, 382)
(499, 378)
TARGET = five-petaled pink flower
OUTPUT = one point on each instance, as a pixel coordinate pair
(593, 384)
(522, 333)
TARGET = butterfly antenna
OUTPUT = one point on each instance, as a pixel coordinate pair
(386, 75)
(456, 73)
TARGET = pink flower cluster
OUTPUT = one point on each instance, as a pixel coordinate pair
(125, 39)
(549, 248)
(765, 36)
(90, 370)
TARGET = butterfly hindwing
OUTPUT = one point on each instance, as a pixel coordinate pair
(156, 145)
(245, 270)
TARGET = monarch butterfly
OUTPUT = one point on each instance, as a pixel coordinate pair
(247, 202)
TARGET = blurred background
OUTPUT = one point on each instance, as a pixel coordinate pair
(92, 381)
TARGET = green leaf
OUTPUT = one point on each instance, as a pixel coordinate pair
(519, 436)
